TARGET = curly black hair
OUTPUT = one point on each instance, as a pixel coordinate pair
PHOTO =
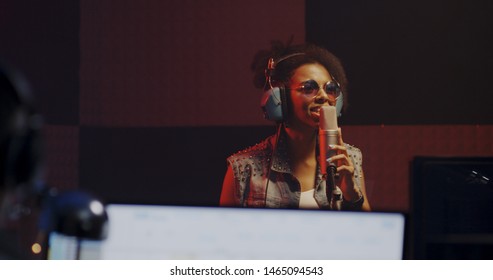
(286, 68)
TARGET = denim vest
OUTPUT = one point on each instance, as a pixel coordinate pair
(257, 186)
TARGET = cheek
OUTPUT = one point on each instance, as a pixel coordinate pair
(299, 105)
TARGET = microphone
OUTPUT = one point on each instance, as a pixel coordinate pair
(329, 135)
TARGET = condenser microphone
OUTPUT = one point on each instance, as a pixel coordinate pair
(329, 135)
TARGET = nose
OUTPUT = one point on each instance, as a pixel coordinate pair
(322, 97)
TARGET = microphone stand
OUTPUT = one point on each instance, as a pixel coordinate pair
(334, 195)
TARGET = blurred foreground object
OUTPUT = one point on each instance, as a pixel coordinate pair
(22, 190)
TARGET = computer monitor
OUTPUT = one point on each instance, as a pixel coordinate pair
(185, 232)
(452, 208)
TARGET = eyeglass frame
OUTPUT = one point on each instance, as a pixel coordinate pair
(315, 91)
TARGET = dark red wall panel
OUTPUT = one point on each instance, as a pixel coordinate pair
(177, 63)
(62, 156)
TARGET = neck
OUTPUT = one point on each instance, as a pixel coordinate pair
(301, 143)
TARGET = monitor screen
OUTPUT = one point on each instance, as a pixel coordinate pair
(452, 208)
(184, 232)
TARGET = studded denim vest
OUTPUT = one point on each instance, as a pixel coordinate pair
(255, 186)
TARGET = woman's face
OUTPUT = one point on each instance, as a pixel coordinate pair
(305, 108)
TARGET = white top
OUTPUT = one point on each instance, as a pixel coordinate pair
(307, 200)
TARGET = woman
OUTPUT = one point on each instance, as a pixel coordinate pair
(283, 171)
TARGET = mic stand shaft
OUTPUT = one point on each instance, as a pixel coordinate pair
(334, 194)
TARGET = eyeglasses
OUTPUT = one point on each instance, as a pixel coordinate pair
(311, 87)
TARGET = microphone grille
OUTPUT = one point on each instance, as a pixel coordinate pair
(328, 118)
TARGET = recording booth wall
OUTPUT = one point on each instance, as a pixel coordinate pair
(143, 103)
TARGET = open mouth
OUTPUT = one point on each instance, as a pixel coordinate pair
(315, 112)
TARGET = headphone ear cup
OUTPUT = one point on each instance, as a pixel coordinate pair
(272, 104)
(339, 104)
(284, 104)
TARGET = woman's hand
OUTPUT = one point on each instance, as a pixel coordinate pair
(345, 171)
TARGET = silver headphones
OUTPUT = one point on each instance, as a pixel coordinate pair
(274, 100)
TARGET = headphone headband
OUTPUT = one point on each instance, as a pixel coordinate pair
(271, 66)
(274, 100)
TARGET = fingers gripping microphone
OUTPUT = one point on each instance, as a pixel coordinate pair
(329, 135)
